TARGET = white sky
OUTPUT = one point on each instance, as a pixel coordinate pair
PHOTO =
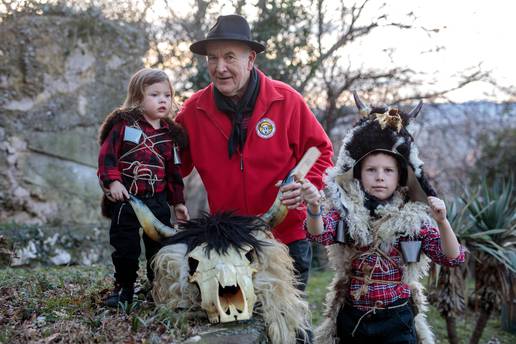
(472, 32)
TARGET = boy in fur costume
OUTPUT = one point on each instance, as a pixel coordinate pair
(381, 207)
(138, 155)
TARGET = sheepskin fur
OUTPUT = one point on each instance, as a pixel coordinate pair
(395, 219)
(282, 306)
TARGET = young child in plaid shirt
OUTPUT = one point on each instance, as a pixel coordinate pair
(377, 194)
(139, 145)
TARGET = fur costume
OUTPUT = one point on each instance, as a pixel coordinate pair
(396, 219)
(279, 302)
(130, 116)
(380, 129)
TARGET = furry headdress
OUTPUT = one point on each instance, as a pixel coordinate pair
(383, 129)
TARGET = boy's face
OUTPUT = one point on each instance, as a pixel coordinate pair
(379, 175)
(157, 100)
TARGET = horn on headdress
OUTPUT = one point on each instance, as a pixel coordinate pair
(363, 109)
(414, 112)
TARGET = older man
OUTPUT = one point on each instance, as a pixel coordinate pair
(247, 131)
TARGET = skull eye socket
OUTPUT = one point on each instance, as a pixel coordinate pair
(250, 256)
(192, 265)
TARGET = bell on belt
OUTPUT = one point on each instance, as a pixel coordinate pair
(177, 158)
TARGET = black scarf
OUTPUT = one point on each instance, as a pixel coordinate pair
(237, 112)
(371, 203)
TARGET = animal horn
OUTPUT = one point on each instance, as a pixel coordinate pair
(363, 109)
(276, 213)
(153, 227)
(413, 113)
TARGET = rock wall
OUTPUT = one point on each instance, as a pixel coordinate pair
(59, 77)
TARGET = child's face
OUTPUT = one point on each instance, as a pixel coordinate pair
(379, 175)
(157, 100)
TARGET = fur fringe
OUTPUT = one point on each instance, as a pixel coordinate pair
(396, 219)
(281, 304)
(171, 287)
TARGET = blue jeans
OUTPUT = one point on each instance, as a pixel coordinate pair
(301, 252)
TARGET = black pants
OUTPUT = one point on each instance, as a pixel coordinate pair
(301, 252)
(391, 326)
(124, 236)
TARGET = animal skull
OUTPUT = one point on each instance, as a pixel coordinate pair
(225, 282)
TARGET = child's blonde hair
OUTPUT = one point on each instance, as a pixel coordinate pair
(142, 79)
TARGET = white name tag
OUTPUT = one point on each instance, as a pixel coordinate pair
(132, 134)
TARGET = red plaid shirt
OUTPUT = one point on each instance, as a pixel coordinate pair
(145, 168)
(382, 268)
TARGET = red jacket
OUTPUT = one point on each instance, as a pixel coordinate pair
(245, 183)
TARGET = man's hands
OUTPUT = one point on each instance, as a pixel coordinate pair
(290, 194)
(293, 194)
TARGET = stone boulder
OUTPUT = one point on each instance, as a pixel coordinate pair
(60, 75)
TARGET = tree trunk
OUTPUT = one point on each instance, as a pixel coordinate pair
(451, 327)
(481, 324)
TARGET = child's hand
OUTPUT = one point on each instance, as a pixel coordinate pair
(437, 208)
(106, 192)
(181, 213)
(117, 191)
(310, 194)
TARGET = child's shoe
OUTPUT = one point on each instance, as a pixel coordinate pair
(126, 295)
(113, 298)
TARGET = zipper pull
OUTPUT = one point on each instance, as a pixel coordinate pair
(241, 162)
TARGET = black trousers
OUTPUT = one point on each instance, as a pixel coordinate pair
(301, 253)
(124, 236)
(390, 326)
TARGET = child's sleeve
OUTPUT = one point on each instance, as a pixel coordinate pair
(431, 246)
(108, 156)
(175, 185)
(330, 221)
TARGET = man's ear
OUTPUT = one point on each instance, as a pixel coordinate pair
(250, 59)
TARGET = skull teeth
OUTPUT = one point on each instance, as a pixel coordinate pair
(231, 296)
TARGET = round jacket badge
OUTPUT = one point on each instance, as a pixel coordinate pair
(265, 128)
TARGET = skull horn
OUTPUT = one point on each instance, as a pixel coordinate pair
(276, 213)
(363, 109)
(150, 224)
(414, 112)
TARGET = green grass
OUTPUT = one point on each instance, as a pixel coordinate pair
(320, 279)
(64, 304)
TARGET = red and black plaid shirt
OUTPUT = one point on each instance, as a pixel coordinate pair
(384, 269)
(145, 168)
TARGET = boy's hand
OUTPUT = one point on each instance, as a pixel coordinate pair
(117, 191)
(437, 208)
(181, 213)
(310, 194)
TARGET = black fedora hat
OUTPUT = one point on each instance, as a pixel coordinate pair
(228, 28)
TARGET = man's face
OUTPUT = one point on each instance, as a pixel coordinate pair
(229, 65)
